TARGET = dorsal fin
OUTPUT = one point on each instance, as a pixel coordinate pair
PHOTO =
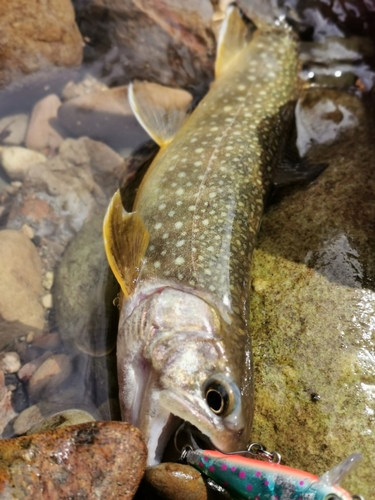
(125, 242)
(233, 37)
(160, 110)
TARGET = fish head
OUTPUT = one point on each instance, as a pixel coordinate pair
(190, 376)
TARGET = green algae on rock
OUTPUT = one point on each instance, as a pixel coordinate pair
(314, 301)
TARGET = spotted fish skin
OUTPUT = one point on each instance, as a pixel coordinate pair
(201, 202)
(250, 479)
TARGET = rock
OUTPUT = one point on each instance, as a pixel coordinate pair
(49, 341)
(88, 85)
(104, 116)
(101, 459)
(20, 284)
(13, 129)
(48, 280)
(50, 374)
(85, 314)
(6, 409)
(313, 306)
(28, 369)
(43, 132)
(27, 419)
(24, 50)
(60, 420)
(173, 41)
(16, 161)
(28, 231)
(174, 481)
(10, 362)
(47, 301)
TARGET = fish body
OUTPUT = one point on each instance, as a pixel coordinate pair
(184, 347)
(246, 478)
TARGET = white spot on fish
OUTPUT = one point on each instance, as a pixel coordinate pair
(191, 208)
(180, 191)
(157, 264)
(171, 213)
(205, 222)
(165, 236)
(158, 225)
(227, 108)
(212, 194)
(180, 243)
(241, 87)
(179, 261)
(178, 225)
(162, 206)
(198, 163)
(199, 150)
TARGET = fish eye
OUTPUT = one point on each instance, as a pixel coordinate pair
(332, 496)
(219, 396)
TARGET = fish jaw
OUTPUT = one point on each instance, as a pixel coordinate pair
(170, 352)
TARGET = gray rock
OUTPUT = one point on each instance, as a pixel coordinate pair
(84, 291)
(60, 420)
(10, 362)
(49, 376)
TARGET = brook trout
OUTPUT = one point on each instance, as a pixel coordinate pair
(183, 255)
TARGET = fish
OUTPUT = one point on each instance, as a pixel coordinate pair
(248, 478)
(182, 255)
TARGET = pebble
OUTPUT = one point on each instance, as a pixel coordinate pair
(60, 420)
(26, 419)
(47, 301)
(175, 481)
(50, 375)
(16, 161)
(48, 280)
(10, 362)
(104, 116)
(102, 459)
(20, 286)
(14, 127)
(26, 229)
(7, 412)
(28, 369)
(44, 132)
(30, 337)
(49, 341)
(88, 85)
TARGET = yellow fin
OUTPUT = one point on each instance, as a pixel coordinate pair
(160, 110)
(234, 35)
(125, 242)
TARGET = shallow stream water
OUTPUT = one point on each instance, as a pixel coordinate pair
(64, 102)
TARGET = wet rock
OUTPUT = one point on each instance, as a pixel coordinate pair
(49, 341)
(313, 307)
(24, 50)
(16, 161)
(43, 132)
(6, 409)
(60, 420)
(174, 481)
(13, 129)
(104, 116)
(50, 374)
(101, 459)
(26, 419)
(20, 398)
(10, 362)
(88, 85)
(168, 42)
(85, 314)
(28, 369)
(48, 280)
(20, 284)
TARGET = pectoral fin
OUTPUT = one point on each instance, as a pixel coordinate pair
(233, 37)
(160, 110)
(125, 241)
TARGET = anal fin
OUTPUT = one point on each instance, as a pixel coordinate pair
(160, 110)
(125, 241)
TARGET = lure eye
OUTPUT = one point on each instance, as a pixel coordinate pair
(219, 396)
(332, 496)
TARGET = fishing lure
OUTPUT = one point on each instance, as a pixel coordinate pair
(253, 479)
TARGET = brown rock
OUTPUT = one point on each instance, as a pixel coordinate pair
(28, 369)
(37, 35)
(13, 129)
(6, 410)
(92, 460)
(104, 116)
(50, 374)
(176, 482)
(20, 282)
(26, 419)
(43, 133)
